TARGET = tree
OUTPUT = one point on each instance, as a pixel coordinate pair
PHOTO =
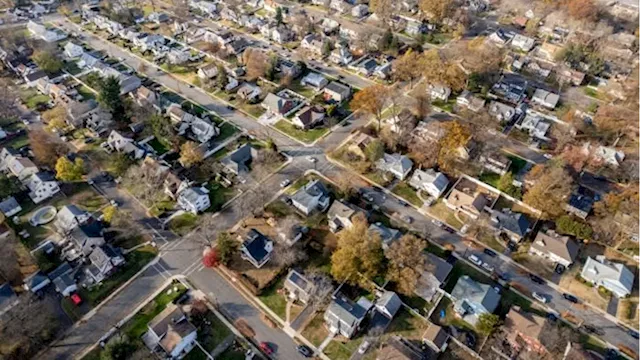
(438, 71)
(8, 186)
(567, 225)
(456, 136)
(382, 8)
(407, 67)
(487, 323)
(210, 258)
(406, 263)
(47, 60)
(278, 16)
(163, 130)
(69, 171)
(55, 118)
(582, 9)
(9, 261)
(222, 80)
(371, 100)
(385, 41)
(424, 152)
(190, 154)
(226, 246)
(374, 150)
(551, 187)
(119, 163)
(435, 10)
(118, 348)
(286, 255)
(109, 98)
(326, 48)
(505, 184)
(256, 62)
(359, 252)
(614, 121)
(319, 294)
(46, 148)
(108, 213)
(422, 106)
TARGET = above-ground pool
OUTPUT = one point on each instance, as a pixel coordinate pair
(43, 215)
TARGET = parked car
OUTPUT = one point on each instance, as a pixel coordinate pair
(285, 183)
(311, 159)
(487, 267)
(76, 299)
(266, 348)
(592, 330)
(540, 297)
(474, 259)
(570, 297)
(364, 347)
(305, 351)
(633, 333)
(490, 252)
(537, 279)
(408, 219)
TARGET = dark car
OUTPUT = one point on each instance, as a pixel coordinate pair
(470, 340)
(611, 354)
(230, 107)
(537, 279)
(403, 203)
(553, 317)
(490, 252)
(592, 330)
(449, 230)
(570, 297)
(305, 351)
(633, 333)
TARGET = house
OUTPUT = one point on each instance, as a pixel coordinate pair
(172, 332)
(432, 182)
(535, 126)
(249, 92)
(104, 261)
(87, 237)
(558, 249)
(208, 71)
(178, 56)
(309, 117)
(20, 167)
(236, 162)
(277, 105)
(401, 121)
(63, 280)
(8, 298)
(388, 304)
(10, 207)
(189, 125)
(615, 277)
(499, 38)
(439, 92)
(341, 215)
(312, 196)
(523, 43)
(194, 199)
(337, 92)
(205, 7)
(383, 71)
(565, 74)
(366, 67)
(433, 276)
(581, 202)
(496, 162)
(471, 102)
(314, 80)
(397, 164)
(436, 338)
(511, 88)
(360, 10)
(397, 348)
(36, 282)
(257, 248)
(78, 112)
(514, 225)
(312, 43)
(341, 56)
(31, 78)
(42, 185)
(70, 216)
(281, 35)
(158, 17)
(415, 28)
(122, 144)
(549, 51)
(343, 316)
(145, 97)
(387, 235)
(468, 202)
(545, 98)
(329, 26)
(524, 330)
(72, 50)
(341, 6)
(298, 287)
(473, 299)
(39, 31)
(608, 155)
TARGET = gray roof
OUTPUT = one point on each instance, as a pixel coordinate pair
(387, 235)
(7, 296)
(437, 266)
(338, 208)
(338, 88)
(615, 275)
(61, 270)
(192, 194)
(309, 192)
(514, 222)
(344, 309)
(396, 162)
(9, 205)
(172, 316)
(63, 282)
(470, 291)
(299, 281)
(389, 301)
(238, 159)
(561, 246)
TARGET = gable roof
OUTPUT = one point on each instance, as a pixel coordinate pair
(561, 246)
(309, 192)
(309, 115)
(171, 325)
(469, 290)
(256, 245)
(340, 209)
(390, 301)
(528, 324)
(239, 157)
(430, 176)
(514, 222)
(277, 103)
(396, 162)
(192, 194)
(387, 235)
(8, 205)
(344, 309)
(337, 87)
(601, 269)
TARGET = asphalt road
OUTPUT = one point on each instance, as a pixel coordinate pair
(183, 256)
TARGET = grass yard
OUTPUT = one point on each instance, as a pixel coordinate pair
(517, 164)
(158, 146)
(218, 196)
(32, 98)
(490, 178)
(196, 354)
(591, 92)
(232, 354)
(226, 130)
(137, 325)
(274, 300)
(408, 325)
(182, 224)
(278, 209)
(213, 333)
(306, 136)
(378, 177)
(491, 242)
(17, 142)
(408, 193)
(316, 331)
(442, 212)
(337, 350)
(172, 97)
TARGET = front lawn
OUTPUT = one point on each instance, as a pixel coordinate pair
(443, 213)
(86, 92)
(182, 224)
(219, 195)
(490, 178)
(17, 142)
(213, 332)
(408, 325)
(408, 193)
(226, 131)
(274, 299)
(316, 330)
(337, 350)
(32, 98)
(306, 136)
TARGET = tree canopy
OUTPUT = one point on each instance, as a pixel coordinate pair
(406, 262)
(47, 60)
(551, 187)
(371, 100)
(359, 252)
(190, 154)
(109, 98)
(69, 171)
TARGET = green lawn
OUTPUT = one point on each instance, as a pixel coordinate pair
(232, 354)
(408, 325)
(315, 331)
(184, 223)
(158, 146)
(71, 67)
(218, 196)
(213, 333)
(226, 130)
(137, 325)
(32, 98)
(490, 178)
(517, 164)
(408, 193)
(442, 212)
(17, 142)
(306, 136)
(274, 300)
(86, 92)
(196, 354)
(342, 351)
(591, 92)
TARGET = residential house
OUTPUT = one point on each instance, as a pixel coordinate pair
(70, 216)
(312, 196)
(341, 215)
(337, 92)
(206, 7)
(36, 282)
(524, 330)
(277, 105)
(122, 144)
(237, 161)
(313, 43)
(388, 304)
(359, 144)
(31, 78)
(178, 56)
(249, 92)
(39, 31)
(221, 37)
(549, 51)
(99, 121)
(366, 67)
(194, 199)
(397, 164)
(511, 88)
(472, 299)
(608, 155)
(468, 202)
(42, 185)
(615, 277)
(545, 98)
(158, 17)
(496, 162)
(397, 348)
(535, 126)
(343, 316)
(558, 249)
(502, 112)
(415, 28)
(499, 38)
(145, 97)
(208, 71)
(256, 248)
(514, 225)
(309, 117)
(523, 43)
(439, 92)
(20, 167)
(172, 332)
(341, 6)
(10, 207)
(567, 75)
(104, 261)
(432, 277)
(432, 182)
(360, 10)
(471, 102)
(401, 121)
(87, 237)
(72, 51)
(298, 287)
(78, 112)
(63, 280)
(88, 61)
(383, 71)
(189, 125)
(581, 202)
(435, 337)
(341, 56)
(282, 35)
(314, 80)
(329, 26)
(387, 235)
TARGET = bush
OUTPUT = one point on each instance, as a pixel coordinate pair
(567, 225)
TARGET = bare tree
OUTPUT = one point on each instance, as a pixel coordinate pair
(9, 266)
(320, 294)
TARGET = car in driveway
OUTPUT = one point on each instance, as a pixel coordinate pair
(305, 351)
(571, 298)
(364, 347)
(540, 297)
(537, 279)
(475, 260)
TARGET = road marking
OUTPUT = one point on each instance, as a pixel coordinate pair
(189, 268)
(158, 264)
(159, 271)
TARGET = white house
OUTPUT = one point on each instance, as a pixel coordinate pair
(20, 167)
(558, 249)
(609, 155)
(172, 332)
(430, 181)
(337, 92)
(615, 277)
(314, 80)
(522, 42)
(341, 56)
(439, 92)
(256, 248)
(194, 200)
(313, 196)
(178, 56)
(42, 186)
(41, 32)
(535, 126)
(397, 164)
(360, 10)
(70, 216)
(208, 71)
(341, 215)
(72, 50)
(122, 144)
(545, 98)
(308, 117)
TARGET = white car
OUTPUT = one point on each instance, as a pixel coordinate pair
(363, 348)
(474, 259)
(285, 183)
(311, 159)
(540, 297)
(487, 267)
